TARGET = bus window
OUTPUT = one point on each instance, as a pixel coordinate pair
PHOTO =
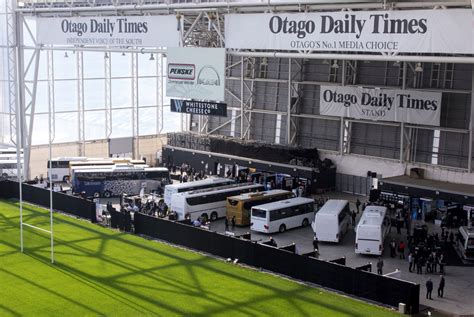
(259, 213)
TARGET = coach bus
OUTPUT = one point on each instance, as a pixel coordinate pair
(8, 163)
(373, 228)
(59, 167)
(208, 203)
(332, 221)
(196, 185)
(119, 180)
(239, 206)
(282, 215)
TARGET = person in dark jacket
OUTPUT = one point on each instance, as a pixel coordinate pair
(429, 288)
(315, 244)
(441, 286)
(232, 222)
(226, 224)
(380, 266)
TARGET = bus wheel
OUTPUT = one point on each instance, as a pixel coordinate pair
(282, 228)
(204, 217)
(107, 194)
(66, 179)
(214, 216)
(96, 195)
(305, 222)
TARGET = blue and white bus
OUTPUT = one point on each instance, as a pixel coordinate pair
(118, 180)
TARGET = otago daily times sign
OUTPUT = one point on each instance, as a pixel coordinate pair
(414, 31)
(155, 31)
(410, 106)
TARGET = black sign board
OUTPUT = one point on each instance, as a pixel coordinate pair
(202, 108)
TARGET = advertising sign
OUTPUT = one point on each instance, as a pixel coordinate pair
(410, 106)
(154, 31)
(196, 73)
(415, 31)
(199, 107)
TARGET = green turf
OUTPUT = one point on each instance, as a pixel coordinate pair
(103, 272)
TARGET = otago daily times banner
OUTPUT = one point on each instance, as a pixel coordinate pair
(414, 31)
(196, 73)
(408, 106)
(156, 31)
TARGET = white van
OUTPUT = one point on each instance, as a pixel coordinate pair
(372, 229)
(465, 243)
(332, 221)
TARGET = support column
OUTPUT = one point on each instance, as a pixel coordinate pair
(288, 114)
(80, 103)
(242, 115)
(469, 162)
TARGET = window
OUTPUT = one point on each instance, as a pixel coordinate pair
(259, 213)
(470, 243)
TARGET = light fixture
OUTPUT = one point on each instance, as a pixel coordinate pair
(325, 62)
(106, 55)
(396, 64)
(65, 55)
(335, 64)
(418, 68)
(264, 61)
(152, 58)
(123, 53)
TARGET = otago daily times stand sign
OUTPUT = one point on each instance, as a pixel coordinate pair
(154, 31)
(413, 31)
(408, 106)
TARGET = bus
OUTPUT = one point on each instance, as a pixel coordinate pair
(196, 185)
(465, 242)
(239, 206)
(118, 180)
(208, 203)
(332, 221)
(373, 227)
(60, 167)
(8, 163)
(282, 215)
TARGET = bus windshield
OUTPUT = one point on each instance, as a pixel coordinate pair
(260, 213)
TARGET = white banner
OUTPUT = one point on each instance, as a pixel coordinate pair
(415, 31)
(196, 73)
(410, 106)
(154, 31)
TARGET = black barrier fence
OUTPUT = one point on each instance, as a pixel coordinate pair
(367, 267)
(69, 204)
(385, 290)
(341, 261)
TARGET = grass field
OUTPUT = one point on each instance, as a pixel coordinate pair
(103, 272)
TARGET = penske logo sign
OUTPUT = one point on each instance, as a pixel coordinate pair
(181, 71)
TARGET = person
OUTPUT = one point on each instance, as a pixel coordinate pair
(441, 263)
(441, 286)
(393, 246)
(429, 288)
(226, 222)
(380, 266)
(410, 262)
(399, 225)
(272, 242)
(353, 215)
(315, 244)
(197, 223)
(419, 265)
(232, 221)
(358, 203)
(401, 249)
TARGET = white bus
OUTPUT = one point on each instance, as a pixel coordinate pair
(373, 227)
(282, 215)
(119, 180)
(465, 242)
(60, 167)
(332, 221)
(208, 203)
(196, 185)
(8, 163)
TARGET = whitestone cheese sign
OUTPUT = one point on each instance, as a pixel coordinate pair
(196, 73)
(410, 106)
(414, 31)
